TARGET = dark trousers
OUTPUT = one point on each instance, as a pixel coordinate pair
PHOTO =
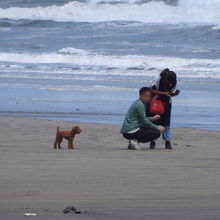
(143, 135)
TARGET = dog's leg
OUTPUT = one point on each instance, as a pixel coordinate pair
(56, 139)
(59, 142)
(72, 145)
(69, 144)
(55, 144)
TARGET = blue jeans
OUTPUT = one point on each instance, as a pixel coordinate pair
(166, 133)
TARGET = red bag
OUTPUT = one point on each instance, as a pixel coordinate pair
(157, 107)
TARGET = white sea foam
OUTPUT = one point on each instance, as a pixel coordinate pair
(85, 88)
(86, 62)
(187, 11)
(217, 27)
(72, 50)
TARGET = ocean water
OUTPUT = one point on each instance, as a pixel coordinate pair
(85, 60)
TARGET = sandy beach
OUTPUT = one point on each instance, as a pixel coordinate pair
(84, 62)
(103, 179)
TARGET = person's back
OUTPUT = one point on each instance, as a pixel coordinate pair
(137, 127)
(132, 119)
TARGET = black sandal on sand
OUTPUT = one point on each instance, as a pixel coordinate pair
(71, 209)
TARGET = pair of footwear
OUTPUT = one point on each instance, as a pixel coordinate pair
(134, 145)
(167, 145)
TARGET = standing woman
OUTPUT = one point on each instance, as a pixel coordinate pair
(165, 87)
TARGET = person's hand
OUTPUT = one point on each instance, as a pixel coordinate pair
(161, 128)
(166, 93)
(175, 92)
(156, 117)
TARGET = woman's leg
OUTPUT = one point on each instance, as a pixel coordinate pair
(167, 133)
(167, 137)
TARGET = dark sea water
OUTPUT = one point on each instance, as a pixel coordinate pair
(85, 60)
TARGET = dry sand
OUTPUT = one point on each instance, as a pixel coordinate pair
(103, 179)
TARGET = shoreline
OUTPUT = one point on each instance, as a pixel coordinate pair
(103, 179)
(60, 116)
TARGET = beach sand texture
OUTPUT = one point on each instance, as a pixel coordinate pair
(103, 179)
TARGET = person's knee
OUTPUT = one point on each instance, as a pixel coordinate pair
(149, 135)
(157, 134)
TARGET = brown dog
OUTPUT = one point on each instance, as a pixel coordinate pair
(68, 135)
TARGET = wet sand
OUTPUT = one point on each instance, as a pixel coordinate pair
(103, 179)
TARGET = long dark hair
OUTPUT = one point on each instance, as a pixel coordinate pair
(168, 79)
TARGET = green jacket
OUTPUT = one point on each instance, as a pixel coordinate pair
(136, 117)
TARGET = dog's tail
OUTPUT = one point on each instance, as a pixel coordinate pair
(58, 130)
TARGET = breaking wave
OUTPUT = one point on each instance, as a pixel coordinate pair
(73, 60)
(186, 11)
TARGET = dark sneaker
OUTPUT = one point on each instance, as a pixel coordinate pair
(152, 145)
(168, 145)
(130, 147)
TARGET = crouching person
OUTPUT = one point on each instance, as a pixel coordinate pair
(137, 127)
